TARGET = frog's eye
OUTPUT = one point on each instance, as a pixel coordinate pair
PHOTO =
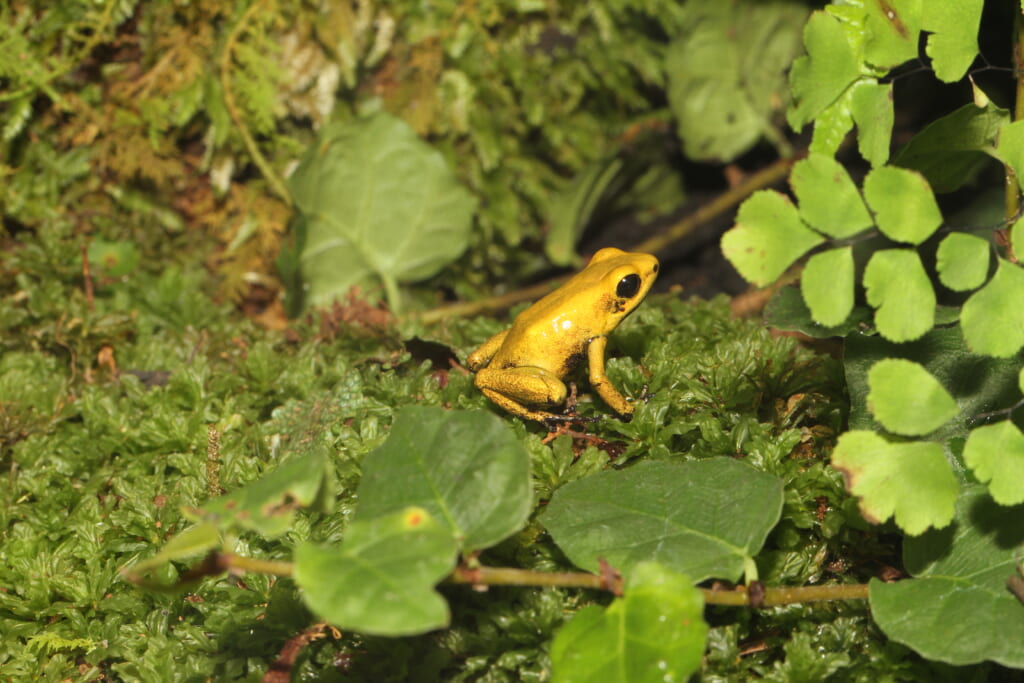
(628, 286)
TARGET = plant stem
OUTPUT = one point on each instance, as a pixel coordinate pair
(722, 203)
(506, 576)
(1012, 190)
(273, 179)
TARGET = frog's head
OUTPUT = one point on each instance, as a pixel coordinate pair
(621, 280)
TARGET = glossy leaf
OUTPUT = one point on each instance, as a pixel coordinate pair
(949, 151)
(829, 201)
(957, 608)
(821, 76)
(906, 399)
(898, 287)
(827, 285)
(911, 482)
(380, 579)
(468, 470)
(871, 109)
(656, 632)
(376, 200)
(996, 454)
(268, 505)
(993, 318)
(767, 238)
(904, 206)
(704, 518)
(963, 261)
(953, 43)
(727, 73)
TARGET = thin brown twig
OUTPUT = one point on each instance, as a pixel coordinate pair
(725, 201)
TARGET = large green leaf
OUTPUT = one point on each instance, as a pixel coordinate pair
(468, 469)
(899, 289)
(655, 633)
(953, 43)
(375, 200)
(957, 608)
(268, 505)
(949, 150)
(727, 73)
(767, 238)
(911, 482)
(993, 318)
(570, 210)
(704, 518)
(907, 399)
(380, 579)
(829, 201)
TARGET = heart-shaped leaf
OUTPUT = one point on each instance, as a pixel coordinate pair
(655, 633)
(468, 469)
(907, 399)
(957, 608)
(705, 518)
(898, 287)
(996, 454)
(993, 318)
(380, 579)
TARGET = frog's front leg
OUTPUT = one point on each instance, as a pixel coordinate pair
(599, 380)
(515, 388)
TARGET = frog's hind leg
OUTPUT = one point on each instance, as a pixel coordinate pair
(516, 388)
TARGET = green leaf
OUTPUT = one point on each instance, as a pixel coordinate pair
(467, 469)
(950, 150)
(978, 383)
(727, 73)
(957, 609)
(907, 399)
(993, 318)
(112, 259)
(892, 28)
(831, 126)
(819, 78)
(996, 454)
(656, 632)
(871, 108)
(380, 579)
(570, 210)
(704, 518)
(898, 287)
(829, 201)
(767, 238)
(376, 200)
(911, 482)
(192, 542)
(827, 285)
(904, 205)
(1010, 148)
(963, 260)
(268, 505)
(953, 43)
(788, 310)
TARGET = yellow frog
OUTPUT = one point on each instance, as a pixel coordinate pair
(525, 366)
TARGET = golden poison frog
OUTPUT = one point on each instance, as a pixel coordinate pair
(524, 368)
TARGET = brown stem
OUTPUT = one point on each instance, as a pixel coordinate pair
(505, 576)
(722, 203)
